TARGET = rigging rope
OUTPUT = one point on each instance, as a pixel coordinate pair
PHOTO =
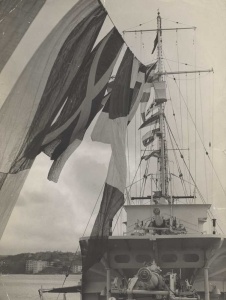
(188, 133)
(177, 162)
(127, 140)
(197, 132)
(171, 102)
(68, 270)
(140, 155)
(199, 192)
(135, 157)
(181, 63)
(181, 123)
(212, 131)
(194, 44)
(200, 95)
(140, 24)
(175, 22)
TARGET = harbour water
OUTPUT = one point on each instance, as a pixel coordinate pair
(25, 287)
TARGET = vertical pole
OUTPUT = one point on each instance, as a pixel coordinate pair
(214, 226)
(151, 188)
(206, 283)
(172, 285)
(161, 111)
(108, 283)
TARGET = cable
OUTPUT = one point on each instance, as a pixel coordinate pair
(127, 140)
(197, 132)
(171, 102)
(181, 63)
(181, 123)
(175, 22)
(194, 43)
(199, 192)
(135, 156)
(140, 24)
(188, 133)
(204, 148)
(177, 162)
(67, 273)
(200, 94)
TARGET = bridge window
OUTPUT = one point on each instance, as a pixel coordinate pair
(191, 257)
(122, 258)
(169, 257)
(142, 258)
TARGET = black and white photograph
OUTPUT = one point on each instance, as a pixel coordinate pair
(113, 149)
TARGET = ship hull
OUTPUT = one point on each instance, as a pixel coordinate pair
(188, 256)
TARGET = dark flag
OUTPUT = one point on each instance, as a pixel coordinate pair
(37, 97)
(111, 129)
(155, 43)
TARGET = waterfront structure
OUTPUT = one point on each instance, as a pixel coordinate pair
(76, 269)
(35, 266)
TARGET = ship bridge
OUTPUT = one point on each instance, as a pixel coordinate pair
(166, 219)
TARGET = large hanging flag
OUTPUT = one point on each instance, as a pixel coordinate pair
(103, 128)
(84, 100)
(39, 94)
(15, 19)
(111, 128)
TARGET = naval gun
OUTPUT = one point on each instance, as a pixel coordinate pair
(150, 283)
(148, 278)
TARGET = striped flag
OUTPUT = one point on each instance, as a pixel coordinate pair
(15, 19)
(150, 77)
(103, 128)
(111, 128)
(39, 92)
(66, 134)
(155, 153)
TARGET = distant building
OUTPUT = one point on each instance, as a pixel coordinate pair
(35, 266)
(76, 269)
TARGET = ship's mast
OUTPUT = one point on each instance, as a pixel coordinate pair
(162, 142)
(162, 146)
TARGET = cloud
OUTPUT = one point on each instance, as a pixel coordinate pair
(51, 216)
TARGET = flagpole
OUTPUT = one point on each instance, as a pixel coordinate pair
(161, 142)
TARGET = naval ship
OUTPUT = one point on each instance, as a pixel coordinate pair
(170, 245)
(165, 250)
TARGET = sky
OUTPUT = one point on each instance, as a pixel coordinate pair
(50, 216)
